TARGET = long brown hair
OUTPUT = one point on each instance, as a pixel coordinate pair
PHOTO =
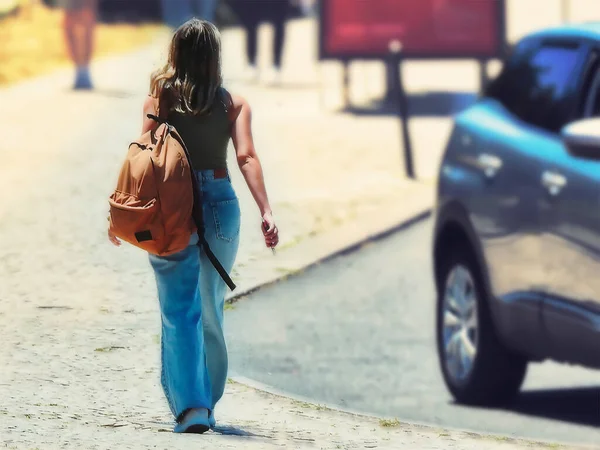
(190, 81)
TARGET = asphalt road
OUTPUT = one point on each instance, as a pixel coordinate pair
(357, 332)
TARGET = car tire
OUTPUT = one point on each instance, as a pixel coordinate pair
(496, 374)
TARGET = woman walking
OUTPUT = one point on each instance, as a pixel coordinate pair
(188, 92)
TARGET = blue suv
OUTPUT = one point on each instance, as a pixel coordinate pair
(517, 223)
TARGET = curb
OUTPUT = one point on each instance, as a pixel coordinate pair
(262, 387)
(270, 390)
(350, 248)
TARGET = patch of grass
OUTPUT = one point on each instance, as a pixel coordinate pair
(473, 435)
(307, 405)
(387, 423)
(319, 407)
(301, 404)
(229, 307)
(108, 349)
(233, 301)
(33, 41)
(284, 270)
(292, 243)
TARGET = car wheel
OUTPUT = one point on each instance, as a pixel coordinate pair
(477, 368)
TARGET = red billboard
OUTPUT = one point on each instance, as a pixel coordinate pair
(425, 28)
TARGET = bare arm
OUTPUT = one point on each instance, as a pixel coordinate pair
(250, 166)
(247, 157)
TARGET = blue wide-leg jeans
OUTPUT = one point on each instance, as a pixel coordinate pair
(191, 295)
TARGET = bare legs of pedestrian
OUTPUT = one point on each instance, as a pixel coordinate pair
(79, 28)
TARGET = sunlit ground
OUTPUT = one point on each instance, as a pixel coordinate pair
(33, 43)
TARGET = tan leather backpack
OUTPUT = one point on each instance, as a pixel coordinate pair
(156, 205)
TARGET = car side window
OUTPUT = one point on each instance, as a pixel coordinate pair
(536, 85)
(502, 88)
(591, 94)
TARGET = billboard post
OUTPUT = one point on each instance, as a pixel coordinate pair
(483, 75)
(346, 82)
(394, 64)
(392, 82)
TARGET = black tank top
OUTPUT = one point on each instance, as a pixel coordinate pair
(207, 136)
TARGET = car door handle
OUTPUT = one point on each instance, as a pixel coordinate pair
(554, 182)
(489, 164)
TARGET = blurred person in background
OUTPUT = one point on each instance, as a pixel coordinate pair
(188, 92)
(79, 28)
(251, 14)
(177, 12)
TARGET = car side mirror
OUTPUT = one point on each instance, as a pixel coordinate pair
(582, 138)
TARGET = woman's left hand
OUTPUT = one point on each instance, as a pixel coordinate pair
(270, 231)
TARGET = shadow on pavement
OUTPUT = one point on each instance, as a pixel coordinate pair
(579, 406)
(234, 431)
(428, 104)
